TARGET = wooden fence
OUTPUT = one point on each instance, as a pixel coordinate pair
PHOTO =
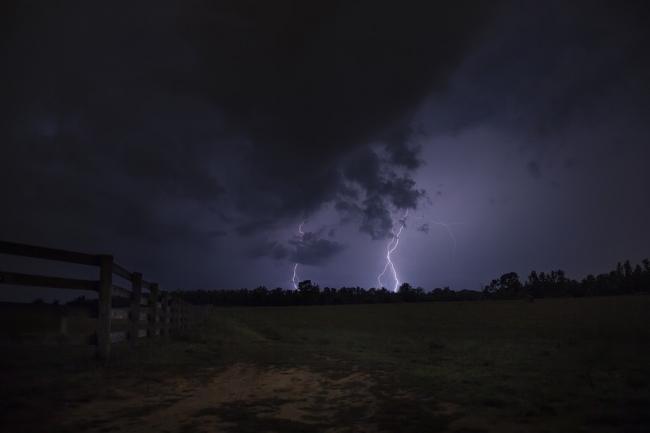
(151, 313)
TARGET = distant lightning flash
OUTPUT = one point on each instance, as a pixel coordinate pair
(294, 278)
(390, 249)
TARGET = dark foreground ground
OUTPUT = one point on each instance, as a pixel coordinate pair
(563, 365)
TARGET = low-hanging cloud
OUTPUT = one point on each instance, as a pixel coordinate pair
(309, 249)
(314, 250)
(221, 117)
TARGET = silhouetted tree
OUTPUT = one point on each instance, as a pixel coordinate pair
(625, 278)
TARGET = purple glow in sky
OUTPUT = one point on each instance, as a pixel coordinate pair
(193, 162)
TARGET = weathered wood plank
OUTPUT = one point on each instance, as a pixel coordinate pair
(121, 291)
(122, 272)
(33, 251)
(136, 298)
(160, 315)
(153, 309)
(165, 313)
(104, 318)
(47, 281)
(119, 313)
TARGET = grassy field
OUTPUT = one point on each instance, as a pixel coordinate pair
(560, 365)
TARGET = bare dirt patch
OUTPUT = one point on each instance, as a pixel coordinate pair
(242, 397)
(248, 398)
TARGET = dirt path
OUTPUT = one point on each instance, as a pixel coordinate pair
(247, 398)
(241, 398)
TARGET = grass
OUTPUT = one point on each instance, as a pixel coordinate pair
(563, 362)
(549, 365)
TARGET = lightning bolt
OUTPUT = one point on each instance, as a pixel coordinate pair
(294, 278)
(390, 249)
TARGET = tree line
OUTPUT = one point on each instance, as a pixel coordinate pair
(624, 279)
(309, 293)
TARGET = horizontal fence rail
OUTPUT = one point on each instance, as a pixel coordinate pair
(151, 313)
(45, 281)
(35, 252)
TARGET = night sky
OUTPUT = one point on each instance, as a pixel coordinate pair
(191, 138)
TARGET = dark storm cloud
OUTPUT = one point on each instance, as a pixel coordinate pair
(193, 131)
(324, 75)
(248, 108)
(591, 69)
(272, 249)
(310, 82)
(401, 150)
(312, 249)
(384, 189)
(376, 219)
(309, 249)
(534, 169)
(256, 226)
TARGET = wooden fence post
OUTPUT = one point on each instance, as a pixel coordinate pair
(134, 313)
(105, 298)
(165, 314)
(153, 310)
